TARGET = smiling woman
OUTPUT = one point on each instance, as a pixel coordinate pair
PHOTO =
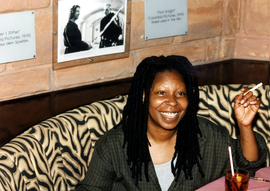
(167, 106)
(161, 144)
(166, 83)
(168, 101)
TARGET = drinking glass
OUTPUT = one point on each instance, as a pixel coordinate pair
(237, 183)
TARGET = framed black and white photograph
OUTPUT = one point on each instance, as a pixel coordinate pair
(90, 30)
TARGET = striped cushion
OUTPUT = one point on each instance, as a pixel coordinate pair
(55, 154)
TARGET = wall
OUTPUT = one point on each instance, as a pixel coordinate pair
(217, 30)
(253, 36)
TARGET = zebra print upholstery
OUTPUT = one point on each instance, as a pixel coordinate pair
(55, 154)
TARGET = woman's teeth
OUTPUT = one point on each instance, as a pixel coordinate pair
(169, 115)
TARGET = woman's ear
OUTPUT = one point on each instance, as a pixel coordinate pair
(143, 96)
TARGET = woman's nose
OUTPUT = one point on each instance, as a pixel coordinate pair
(171, 100)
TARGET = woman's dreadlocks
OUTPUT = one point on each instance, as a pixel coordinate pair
(135, 116)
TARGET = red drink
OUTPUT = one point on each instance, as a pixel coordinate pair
(237, 183)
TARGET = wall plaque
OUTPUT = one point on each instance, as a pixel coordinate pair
(165, 18)
(17, 36)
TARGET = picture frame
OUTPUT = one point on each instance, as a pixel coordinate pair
(90, 31)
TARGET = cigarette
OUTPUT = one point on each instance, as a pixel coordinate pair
(261, 179)
(254, 88)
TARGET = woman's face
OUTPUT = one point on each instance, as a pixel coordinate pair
(168, 100)
(77, 13)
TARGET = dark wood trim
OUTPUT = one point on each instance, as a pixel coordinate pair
(234, 72)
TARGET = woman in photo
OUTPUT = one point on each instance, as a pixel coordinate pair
(72, 35)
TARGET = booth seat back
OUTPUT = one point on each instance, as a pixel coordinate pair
(55, 154)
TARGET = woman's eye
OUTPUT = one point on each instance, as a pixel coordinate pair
(161, 93)
(181, 93)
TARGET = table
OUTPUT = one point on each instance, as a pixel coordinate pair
(254, 185)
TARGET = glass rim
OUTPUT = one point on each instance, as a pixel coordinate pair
(238, 168)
